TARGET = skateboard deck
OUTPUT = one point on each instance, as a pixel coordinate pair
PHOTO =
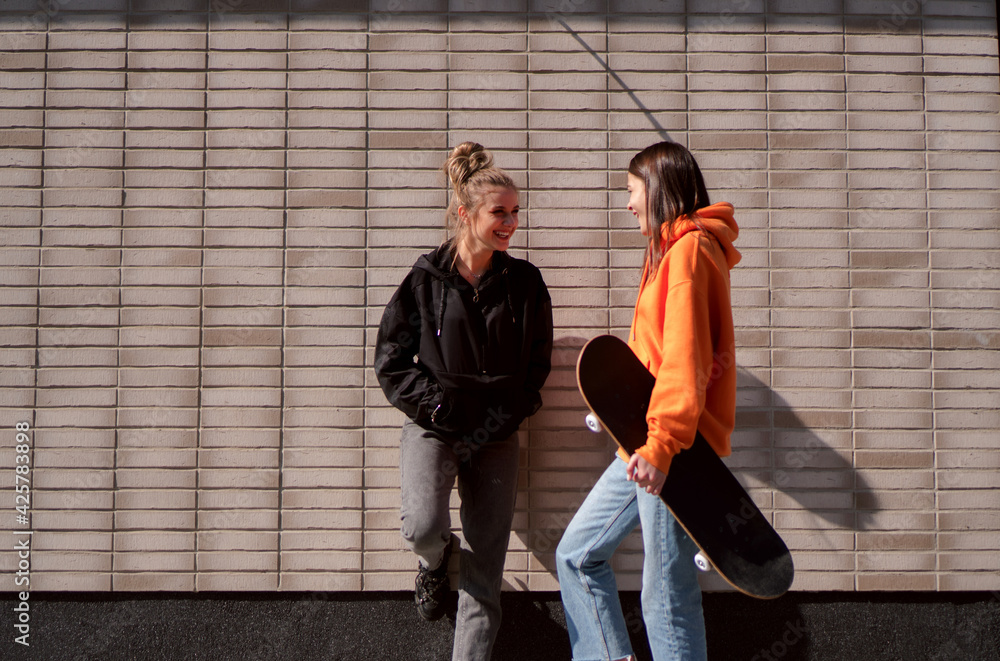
(703, 495)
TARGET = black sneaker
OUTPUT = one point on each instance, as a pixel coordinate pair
(433, 588)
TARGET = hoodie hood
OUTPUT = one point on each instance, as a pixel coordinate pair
(717, 219)
(435, 264)
(440, 264)
(427, 265)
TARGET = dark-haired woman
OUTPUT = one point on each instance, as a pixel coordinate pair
(682, 330)
(463, 350)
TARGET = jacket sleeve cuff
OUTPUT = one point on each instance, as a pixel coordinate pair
(657, 454)
(433, 408)
(532, 403)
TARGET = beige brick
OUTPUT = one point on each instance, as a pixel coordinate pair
(325, 561)
(151, 499)
(154, 541)
(238, 520)
(329, 582)
(154, 562)
(969, 540)
(237, 582)
(237, 541)
(153, 582)
(71, 541)
(71, 521)
(325, 541)
(70, 499)
(71, 581)
(331, 499)
(896, 582)
(301, 520)
(895, 542)
(155, 478)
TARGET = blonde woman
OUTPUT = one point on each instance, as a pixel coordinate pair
(463, 350)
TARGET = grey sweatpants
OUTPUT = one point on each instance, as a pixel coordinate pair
(487, 486)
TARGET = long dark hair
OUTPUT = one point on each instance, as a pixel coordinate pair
(674, 188)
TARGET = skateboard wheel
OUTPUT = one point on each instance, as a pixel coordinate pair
(593, 424)
(702, 563)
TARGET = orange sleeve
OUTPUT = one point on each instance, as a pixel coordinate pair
(678, 398)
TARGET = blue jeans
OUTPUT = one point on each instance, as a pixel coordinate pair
(671, 596)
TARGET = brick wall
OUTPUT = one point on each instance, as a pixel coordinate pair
(205, 207)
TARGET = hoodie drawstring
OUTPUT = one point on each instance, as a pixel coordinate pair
(444, 295)
(440, 319)
(510, 303)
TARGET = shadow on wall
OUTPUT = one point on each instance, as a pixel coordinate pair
(774, 448)
(804, 475)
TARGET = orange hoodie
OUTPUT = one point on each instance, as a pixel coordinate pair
(683, 332)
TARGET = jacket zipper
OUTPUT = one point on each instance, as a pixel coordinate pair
(482, 347)
(475, 299)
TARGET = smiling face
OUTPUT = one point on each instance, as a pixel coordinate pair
(637, 202)
(493, 222)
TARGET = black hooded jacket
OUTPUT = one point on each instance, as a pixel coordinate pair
(461, 360)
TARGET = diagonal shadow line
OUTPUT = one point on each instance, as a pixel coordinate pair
(611, 72)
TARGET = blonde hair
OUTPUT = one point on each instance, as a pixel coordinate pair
(470, 169)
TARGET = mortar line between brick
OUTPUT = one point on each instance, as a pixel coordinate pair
(773, 463)
(365, 298)
(284, 316)
(607, 146)
(201, 305)
(930, 307)
(527, 124)
(41, 246)
(118, 342)
(526, 429)
(38, 270)
(850, 303)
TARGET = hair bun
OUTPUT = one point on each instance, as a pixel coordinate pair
(465, 160)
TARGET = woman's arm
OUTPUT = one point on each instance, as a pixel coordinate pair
(406, 383)
(540, 349)
(678, 398)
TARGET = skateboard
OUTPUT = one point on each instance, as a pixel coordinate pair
(733, 535)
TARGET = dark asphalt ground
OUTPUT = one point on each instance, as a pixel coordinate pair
(385, 626)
